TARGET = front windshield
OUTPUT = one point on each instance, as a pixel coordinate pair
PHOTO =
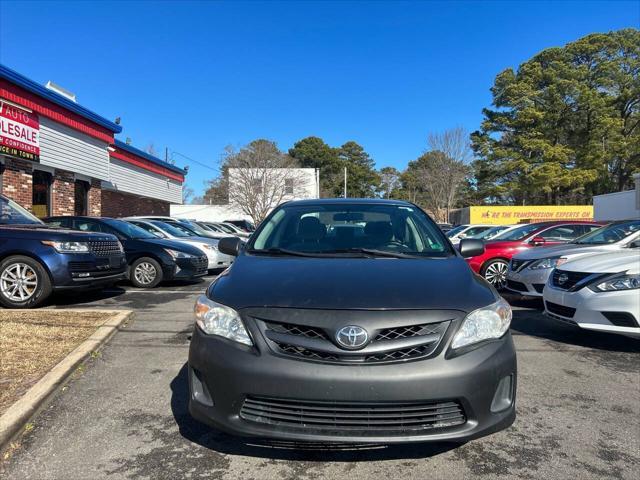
(13, 214)
(367, 229)
(612, 233)
(171, 230)
(456, 230)
(129, 230)
(517, 233)
(489, 234)
(225, 228)
(194, 228)
(186, 229)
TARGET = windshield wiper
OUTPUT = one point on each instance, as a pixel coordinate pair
(284, 251)
(372, 252)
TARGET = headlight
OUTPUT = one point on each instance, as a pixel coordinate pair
(485, 323)
(120, 247)
(547, 263)
(68, 247)
(216, 319)
(621, 282)
(175, 254)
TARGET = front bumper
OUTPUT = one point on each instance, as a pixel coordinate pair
(227, 373)
(78, 271)
(585, 308)
(218, 260)
(186, 268)
(528, 282)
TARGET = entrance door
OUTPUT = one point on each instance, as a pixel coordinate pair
(41, 199)
(81, 198)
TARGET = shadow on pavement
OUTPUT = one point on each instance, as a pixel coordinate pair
(220, 442)
(529, 320)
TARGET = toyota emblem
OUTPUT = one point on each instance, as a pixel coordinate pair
(352, 337)
(562, 279)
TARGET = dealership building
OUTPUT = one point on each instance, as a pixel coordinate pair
(59, 158)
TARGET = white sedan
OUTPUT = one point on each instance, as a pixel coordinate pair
(598, 292)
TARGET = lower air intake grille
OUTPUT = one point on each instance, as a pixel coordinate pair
(561, 310)
(519, 286)
(340, 418)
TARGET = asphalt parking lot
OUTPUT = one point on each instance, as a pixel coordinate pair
(125, 416)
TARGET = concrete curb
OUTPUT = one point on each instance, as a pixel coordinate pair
(19, 414)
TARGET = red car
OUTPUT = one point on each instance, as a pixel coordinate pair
(494, 262)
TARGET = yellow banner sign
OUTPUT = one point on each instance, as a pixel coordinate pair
(534, 213)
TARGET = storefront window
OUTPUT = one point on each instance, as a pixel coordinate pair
(81, 198)
(41, 201)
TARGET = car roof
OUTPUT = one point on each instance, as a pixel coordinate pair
(338, 201)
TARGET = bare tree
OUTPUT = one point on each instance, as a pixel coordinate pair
(449, 168)
(187, 194)
(389, 180)
(260, 178)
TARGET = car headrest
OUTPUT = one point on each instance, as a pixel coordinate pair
(310, 228)
(380, 231)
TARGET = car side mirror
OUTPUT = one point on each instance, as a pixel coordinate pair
(230, 246)
(537, 241)
(471, 247)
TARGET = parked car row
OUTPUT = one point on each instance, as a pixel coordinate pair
(592, 282)
(75, 252)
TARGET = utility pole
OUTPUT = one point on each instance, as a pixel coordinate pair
(345, 182)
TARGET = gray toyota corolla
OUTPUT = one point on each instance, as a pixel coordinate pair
(352, 321)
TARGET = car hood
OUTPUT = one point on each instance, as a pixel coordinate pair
(165, 243)
(562, 250)
(351, 283)
(37, 232)
(606, 263)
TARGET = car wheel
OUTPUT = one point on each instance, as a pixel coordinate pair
(24, 283)
(495, 272)
(145, 272)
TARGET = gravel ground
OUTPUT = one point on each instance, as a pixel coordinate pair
(125, 416)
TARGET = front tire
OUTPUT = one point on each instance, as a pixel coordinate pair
(24, 282)
(145, 272)
(495, 272)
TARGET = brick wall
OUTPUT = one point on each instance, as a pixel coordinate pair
(63, 193)
(95, 198)
(117, 204)
(17, 182)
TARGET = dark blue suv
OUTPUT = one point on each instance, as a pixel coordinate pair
(36, 259)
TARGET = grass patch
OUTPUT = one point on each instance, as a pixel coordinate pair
(32, 342)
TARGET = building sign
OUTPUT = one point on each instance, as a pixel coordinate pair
(19, 132)
(523, 214)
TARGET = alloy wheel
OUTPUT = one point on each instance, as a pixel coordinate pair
(18, 282)
(145, 273)
(496, 274)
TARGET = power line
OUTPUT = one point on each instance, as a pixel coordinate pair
(189, 159)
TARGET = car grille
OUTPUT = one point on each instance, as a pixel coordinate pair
(105, 248)
(410, 331)
(341, 418)
(200, 265)
(519, 286)
(517, 265)
(387, 345)
(561, 310)
(572, 278)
